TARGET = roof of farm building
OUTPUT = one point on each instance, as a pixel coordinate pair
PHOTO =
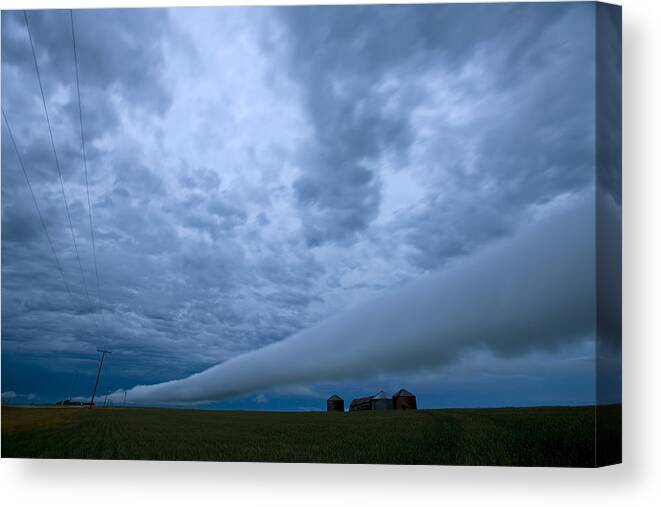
(403, 392)
(362, 400)
(381, 396)
(335, 397)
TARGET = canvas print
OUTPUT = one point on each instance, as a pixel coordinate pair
(385, 234)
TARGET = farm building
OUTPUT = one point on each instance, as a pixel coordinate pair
(404, 400)
(335, 404)
(381, 401)
(361, 404)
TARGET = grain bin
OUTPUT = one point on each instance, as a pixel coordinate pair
(404, 400)
(335, 404)
(382, 402)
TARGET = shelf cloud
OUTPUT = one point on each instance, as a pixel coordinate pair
(533, 291)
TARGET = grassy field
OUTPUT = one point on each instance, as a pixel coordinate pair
(518, 436)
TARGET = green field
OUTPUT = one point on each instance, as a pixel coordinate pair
(512, 436)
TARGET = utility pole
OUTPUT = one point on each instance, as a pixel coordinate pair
(105, 402)
(98, 375)
(124, 398)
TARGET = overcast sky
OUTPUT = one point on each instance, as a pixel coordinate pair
(255, 171)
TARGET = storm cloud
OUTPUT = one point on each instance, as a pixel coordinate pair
(254, 172)
(533, 291)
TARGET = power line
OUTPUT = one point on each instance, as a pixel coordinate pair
(59, 172)
(82, 143)
(57, 162)
(87, 187)
(50, 242)
(36, 205)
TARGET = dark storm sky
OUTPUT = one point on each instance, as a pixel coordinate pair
(254, 171)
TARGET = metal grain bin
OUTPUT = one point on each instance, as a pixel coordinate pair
(382, 402)
(335, 404)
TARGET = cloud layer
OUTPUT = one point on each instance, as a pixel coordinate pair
(254, 172)
(534, 291)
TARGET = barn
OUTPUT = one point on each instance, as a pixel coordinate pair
(335, 404)
(381, 401)
(361, 404)
(404, 400)
(401, 400)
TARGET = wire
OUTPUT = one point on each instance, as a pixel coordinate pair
(34, 200)
(57, 162)
(82, 143)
